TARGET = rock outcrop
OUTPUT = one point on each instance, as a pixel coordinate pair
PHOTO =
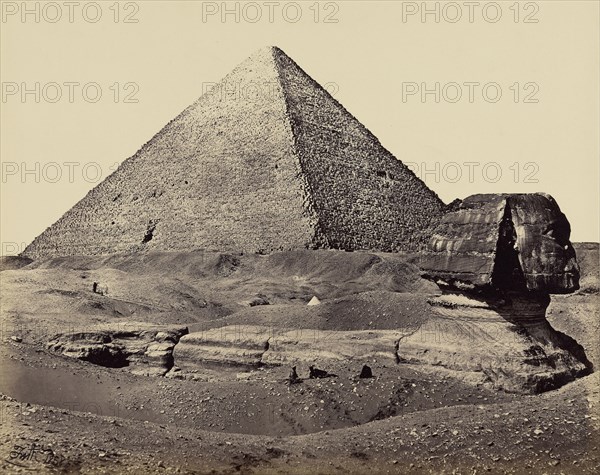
(144, 348)
(266, 160)
(496, 259)
(254, 345)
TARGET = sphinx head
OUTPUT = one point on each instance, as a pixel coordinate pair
(545, 253)
(516, 242)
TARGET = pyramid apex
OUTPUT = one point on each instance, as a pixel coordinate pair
(270, 49)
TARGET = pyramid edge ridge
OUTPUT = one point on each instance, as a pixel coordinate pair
(320, 240)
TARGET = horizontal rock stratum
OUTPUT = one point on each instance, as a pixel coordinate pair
(147, 349)
(266, 160)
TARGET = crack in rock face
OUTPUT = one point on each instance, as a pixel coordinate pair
(503, 242)
(143, 348)
(497, 259)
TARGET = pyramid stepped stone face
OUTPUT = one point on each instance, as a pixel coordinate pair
(365, 197)
(266, 160)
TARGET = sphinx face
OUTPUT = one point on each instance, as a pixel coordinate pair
(545, 253)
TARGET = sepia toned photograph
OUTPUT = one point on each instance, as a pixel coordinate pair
(305, 237)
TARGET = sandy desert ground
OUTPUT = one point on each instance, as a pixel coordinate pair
(81, 417)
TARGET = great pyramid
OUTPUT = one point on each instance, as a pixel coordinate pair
(266, 160)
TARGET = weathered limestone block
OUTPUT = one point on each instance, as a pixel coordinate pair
(258, 345)
(143, 348)
(313, 346)
(231, 345)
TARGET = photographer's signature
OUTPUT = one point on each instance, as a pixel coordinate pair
(21, 454)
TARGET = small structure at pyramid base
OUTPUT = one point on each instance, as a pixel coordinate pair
(497, 259)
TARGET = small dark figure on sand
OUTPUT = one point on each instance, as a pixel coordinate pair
(366, 372)
(293, 378)
(319, 373)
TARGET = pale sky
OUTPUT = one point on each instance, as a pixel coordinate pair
(541, 134)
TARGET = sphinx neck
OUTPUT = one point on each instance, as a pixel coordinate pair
(523, 308)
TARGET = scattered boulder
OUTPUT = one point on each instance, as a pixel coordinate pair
(99, 289)
(314, 301)
(257, 300)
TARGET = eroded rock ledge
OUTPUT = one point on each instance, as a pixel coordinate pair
(471, 340)
(496, 260)
(484, 336)
(468, 337)
(255, 345)
(144, 348)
